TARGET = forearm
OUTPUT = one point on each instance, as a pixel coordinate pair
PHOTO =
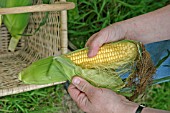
(151, 110)
(150, 27)
(131, 107)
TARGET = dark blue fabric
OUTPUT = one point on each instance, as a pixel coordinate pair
(158, 50)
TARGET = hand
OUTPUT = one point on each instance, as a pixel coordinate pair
(98, 100)
(147, 28)
(111, 33)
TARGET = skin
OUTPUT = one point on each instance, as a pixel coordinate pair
(101, 100)
(147, 28)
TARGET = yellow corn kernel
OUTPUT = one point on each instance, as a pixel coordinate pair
(112, 53)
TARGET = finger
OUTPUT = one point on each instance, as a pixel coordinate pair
(90, 40)
(85, 87)
(93, 48)
(92, 51)
(94, 43)
(79, 97)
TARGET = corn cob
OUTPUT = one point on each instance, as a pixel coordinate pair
(105, 70)
(16, 23)
(96, 70)
(113, 53)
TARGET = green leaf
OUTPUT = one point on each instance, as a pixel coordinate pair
(2, 3)
(102, 78)
(46, 1)
(66, 66)
(60, 68)
(43, 22)
(163, 59)
(16, 23)
(158, 81)
(43, 71)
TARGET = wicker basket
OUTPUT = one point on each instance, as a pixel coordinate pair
(50, 40)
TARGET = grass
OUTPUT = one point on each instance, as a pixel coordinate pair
(37, 101)
(157, 97)
(91, 16)
(86, 19)
(50, 100)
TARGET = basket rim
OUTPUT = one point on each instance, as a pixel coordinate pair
(58, 6)
(25, 88)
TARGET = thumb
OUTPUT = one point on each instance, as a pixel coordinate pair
(85, 87)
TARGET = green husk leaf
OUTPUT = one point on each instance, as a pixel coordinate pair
(97, 77)
(16, 23)
(103, 79)
(60, 69)
(43, 71)
(13, 43)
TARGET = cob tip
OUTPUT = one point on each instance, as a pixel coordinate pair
(20, 76)
(13, 43)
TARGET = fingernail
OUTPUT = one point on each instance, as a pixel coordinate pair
(76, 81)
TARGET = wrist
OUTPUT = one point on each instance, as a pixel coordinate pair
(121, 29)
(129, 107)
(130, 27)
(139, 109)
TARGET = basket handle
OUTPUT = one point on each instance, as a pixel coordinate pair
(38, 8)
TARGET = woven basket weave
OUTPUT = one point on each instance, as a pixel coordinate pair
(50, 40)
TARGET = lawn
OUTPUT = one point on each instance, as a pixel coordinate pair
(87, 18)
